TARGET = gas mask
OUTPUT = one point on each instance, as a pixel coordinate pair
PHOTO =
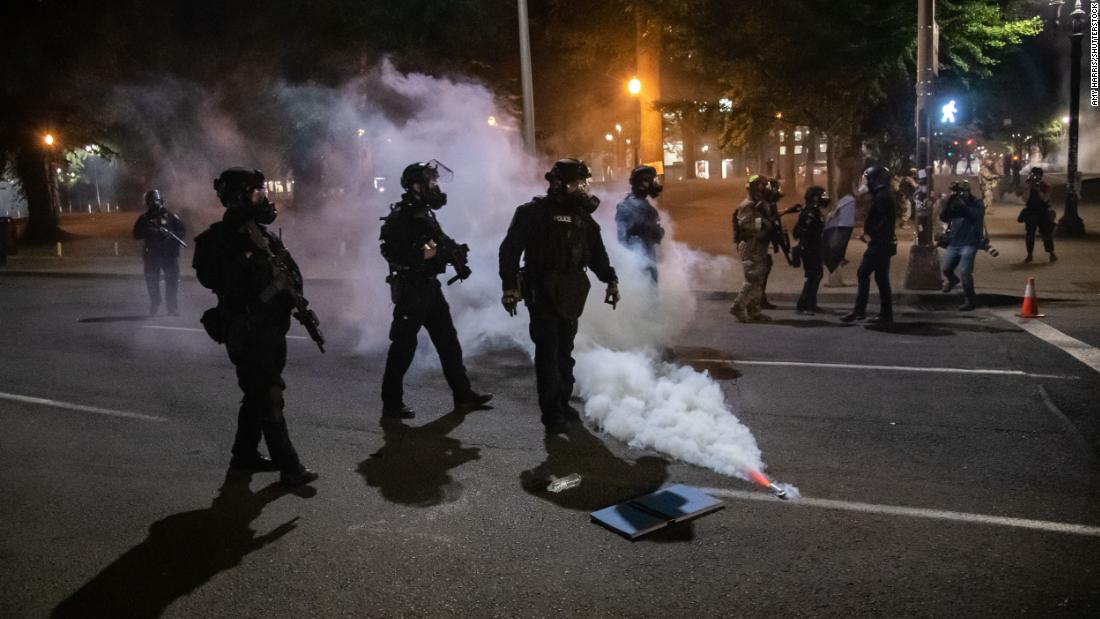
(862, 187)
(655, 188)
(576, 194)
(433, 197)
(262, 209)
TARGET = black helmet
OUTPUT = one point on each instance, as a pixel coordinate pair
(877, 177)
(153, 198)
(422, 173)
(1037, 172)
(234, 184)
(568, 170)
(426, 176)
(816, 195)
(774, 189)
(643, 180)
(757, 181)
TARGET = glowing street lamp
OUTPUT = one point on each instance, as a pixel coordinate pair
(48, 139)
(608, 137)
(492, 121)
(618, 128)
(634, 86)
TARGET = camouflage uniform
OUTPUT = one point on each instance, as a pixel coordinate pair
(751, 231)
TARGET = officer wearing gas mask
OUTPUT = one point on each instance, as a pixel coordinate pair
(638, 223)
(417, 251)
(163, 233)
(881, 246)
(236, 258)
(809, 232)
(1038, 215)
(558, 240)
(752, 233)
(773, 192)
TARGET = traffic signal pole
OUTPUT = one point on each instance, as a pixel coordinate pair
(923, 270)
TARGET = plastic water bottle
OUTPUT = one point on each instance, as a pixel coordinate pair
(564, 483)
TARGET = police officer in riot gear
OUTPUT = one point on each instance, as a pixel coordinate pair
(638, 223)
(239, 259)
(752, 231)
(163, 233)
(809, 232)
(773, 192)
(558, 240)
(1038, 215)
(881, 246)
(418, 251)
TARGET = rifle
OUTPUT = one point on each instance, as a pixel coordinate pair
(164, 231)
(779, 239)
(288, 280)
(457, 255)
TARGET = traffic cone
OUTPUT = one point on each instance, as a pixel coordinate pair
(1030, 306)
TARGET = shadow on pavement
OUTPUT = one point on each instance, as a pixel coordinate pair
(180, 554)
(605, 478)
(935, 329)
(812, 322)
(411, 467)
(115, 319)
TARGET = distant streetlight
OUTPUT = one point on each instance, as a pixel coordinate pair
(618, 128)
(634, 86)
(608, 137)
(360, 132)
(492, 121)
(1065, 120)
(48, 139)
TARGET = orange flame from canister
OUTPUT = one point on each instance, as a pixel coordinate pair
(760, 478)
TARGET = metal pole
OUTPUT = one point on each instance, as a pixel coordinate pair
(525, 78)
(923, 271)
(1071, 225)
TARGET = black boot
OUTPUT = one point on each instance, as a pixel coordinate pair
(252, 462)
(472, 401)
(398, 412)
(853, 316)
(299, 477)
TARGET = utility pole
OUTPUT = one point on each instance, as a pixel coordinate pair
(525, 78)
(923, 271)
(1071, 225)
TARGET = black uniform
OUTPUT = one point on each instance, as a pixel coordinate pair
(254, 331)
(809, 232)
(881, 246)
(1037, 215)
(161, 255)
(418, 300)
(558, 241)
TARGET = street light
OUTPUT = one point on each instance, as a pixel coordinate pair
(635, 88)
(48, 139)
(608, 137)
(1071, 224)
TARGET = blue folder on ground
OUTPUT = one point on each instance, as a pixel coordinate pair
(645, 514)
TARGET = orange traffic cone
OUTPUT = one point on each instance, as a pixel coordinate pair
(1030, 306)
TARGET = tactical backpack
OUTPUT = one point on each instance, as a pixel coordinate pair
(207, 261)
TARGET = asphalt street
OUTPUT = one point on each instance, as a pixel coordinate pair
(117, 501)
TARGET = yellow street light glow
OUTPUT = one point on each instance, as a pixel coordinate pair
(779, 115)
(608, 137)
(634, 86)
(360, 132)
(618, 128)
(492, 121)
(48, 139)
(1065, 120)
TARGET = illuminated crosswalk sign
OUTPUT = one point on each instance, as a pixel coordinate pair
(950, 110)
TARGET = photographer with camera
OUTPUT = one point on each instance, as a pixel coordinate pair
(1038, 214)
(965, 235)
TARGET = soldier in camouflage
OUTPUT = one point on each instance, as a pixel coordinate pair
(751, 233)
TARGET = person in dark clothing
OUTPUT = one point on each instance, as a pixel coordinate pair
(239, 259)
(558, 240)
(809, 232)
(638, 223)
(163, 233)
(881, 246)
(1038, 215)
(418, 251)
(1017, 167)
(965, 216)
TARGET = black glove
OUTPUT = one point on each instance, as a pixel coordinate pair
(612, 296)
(510, 300)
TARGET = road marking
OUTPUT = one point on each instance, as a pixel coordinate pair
(1079, 350)
(916, 512)
(194, 330)
(77, 407)
(892, 368)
